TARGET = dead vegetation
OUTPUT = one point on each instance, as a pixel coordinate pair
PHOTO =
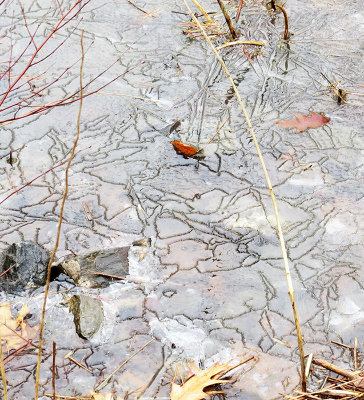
(349, 385)
(339, 383)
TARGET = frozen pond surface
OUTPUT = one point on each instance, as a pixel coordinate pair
(213, 279)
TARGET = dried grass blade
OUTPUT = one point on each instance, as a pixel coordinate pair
(276, 213)
(2, 368)
(104, 382)
(36, 392)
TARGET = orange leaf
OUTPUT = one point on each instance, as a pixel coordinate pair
(193, 388)
(304, 122)
(184, 149)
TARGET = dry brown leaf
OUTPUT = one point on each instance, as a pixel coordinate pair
(304, 122)
(15, 331)
(193, 388)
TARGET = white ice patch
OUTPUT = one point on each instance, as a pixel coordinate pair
(144, 271)
(194, 342)
(348, 315)
(304, 180)
(335, 226)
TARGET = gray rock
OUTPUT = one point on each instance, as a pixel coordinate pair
(97, 269)
(29, 261)
(88, 314)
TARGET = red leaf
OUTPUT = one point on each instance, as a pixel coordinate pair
(184, 149)
(304, 122)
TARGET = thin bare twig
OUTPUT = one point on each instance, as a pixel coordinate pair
(15, 353)
(54, 371)
(105, 275)
(12, 151)
(11, 267)
(140, 9)
(59, 225)
(239, 11)
(336, 369)
(26, 24)
(72, 98)
(38, 92)
(341, 344)
(226, 371)
(104, 382)
(217, 132)
(39, 176)
(63, 21)
(60, 8)
(68, 357)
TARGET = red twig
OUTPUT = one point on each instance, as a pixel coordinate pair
(15, 353)
(16, 61)
(12, 151)
(26, 24)
(35, 93)
(25, 100)
(18, 350)
(57, 47)
(39, 176)
(11, 53)
(60, 8)
(69, 99)
(32, 78)
(18, 334)
(66, 374)
(62, 22)
(7, 270)
(239, 10)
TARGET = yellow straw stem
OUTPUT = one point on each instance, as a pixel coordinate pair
(276, 213)
(237, 42)
(198, 5)
(2, 368)
(60, 219)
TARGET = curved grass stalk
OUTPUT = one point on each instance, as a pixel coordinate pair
(59, 226)
(276, 213)
(286, 32)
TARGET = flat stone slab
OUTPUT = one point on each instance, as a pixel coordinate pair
(97, 269)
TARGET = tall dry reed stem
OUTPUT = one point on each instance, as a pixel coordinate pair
(2, 368)
(276, 213)
(59, 226)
